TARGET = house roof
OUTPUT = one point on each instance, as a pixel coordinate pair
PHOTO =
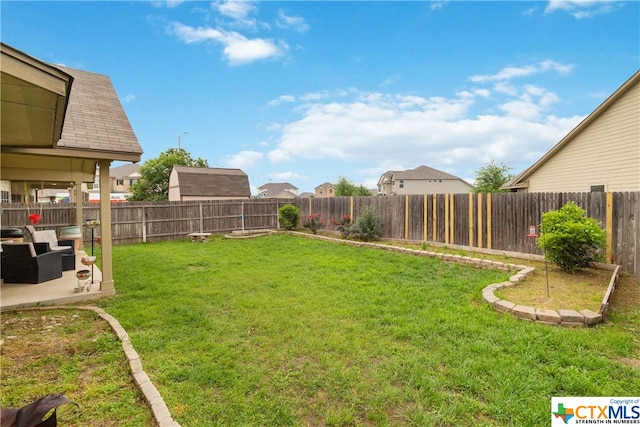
(276, 187)
(93, 124)
(421, 172)
(124, 171)
(326, 185)
(520, 180)
(218, 182)
(96, 122)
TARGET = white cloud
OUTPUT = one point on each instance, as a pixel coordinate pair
(287, 176)
(437, 4)
(168, 3)
(244, 159)
(509, 73)
(130, 97)
(235, 9)
(282, 99)
(395, 132)
(238, 49)
(296, 23)
(580, 9)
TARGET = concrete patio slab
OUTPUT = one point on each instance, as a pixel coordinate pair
(60, 291)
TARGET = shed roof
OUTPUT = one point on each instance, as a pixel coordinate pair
(218, 182)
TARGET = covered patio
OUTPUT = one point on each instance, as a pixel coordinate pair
(54, 292)
(59, 127)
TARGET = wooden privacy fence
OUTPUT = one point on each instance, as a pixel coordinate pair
(135, 222)
(494, 221)
(498, 221)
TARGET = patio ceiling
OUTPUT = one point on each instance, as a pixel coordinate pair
(58, 123)
(34, 97)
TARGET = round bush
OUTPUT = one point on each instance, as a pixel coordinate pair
(289, 217)
(570, 239)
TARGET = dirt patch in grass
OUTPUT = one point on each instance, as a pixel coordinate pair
(557, 290)
(74, 352)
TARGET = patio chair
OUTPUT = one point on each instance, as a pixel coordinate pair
(46, 241)
(21, 264)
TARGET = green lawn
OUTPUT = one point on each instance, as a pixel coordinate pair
(288, 331)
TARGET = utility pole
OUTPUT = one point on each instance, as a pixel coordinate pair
(179, 137)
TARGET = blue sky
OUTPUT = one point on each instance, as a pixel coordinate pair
(308, 91)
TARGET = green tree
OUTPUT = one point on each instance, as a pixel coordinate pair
(154, 174)
(491, 177)
(344, 187)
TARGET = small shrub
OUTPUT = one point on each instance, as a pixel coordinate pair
(570, 239)
(344, 225)
(314, 223)
(368, 225)
(289, 217)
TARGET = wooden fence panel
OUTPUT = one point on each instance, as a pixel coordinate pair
(499, 221)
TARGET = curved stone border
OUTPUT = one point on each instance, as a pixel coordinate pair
(562, 317)
(140, 377)
(248, 234)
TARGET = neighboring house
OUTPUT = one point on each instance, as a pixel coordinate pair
(121, 178)
(421, 180)
(193, 183)
(58, 125)
(306, 195)
(602, 153)
(275, 190)
(325, 190)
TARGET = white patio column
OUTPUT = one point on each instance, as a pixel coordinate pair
(79, 220)
(105, 227)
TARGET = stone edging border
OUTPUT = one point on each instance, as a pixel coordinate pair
(151, 395)
(550, 317)
(544, 316)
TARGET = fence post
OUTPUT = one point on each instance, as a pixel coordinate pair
(144, 225)
(424, 219)
(435, 223)
(479, 220)
(452, 227)
(201, 219)
(242, 215)
(609, 226)
(489, 222)
(446, 218)
(351, 207)
(406, 217)
(470, 219)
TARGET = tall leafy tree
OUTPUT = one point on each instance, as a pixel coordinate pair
(491, 177)
(154, 174)
(344, 187)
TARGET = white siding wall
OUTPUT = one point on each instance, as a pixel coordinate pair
(416, 186)
(607, 152)
(174, 188)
